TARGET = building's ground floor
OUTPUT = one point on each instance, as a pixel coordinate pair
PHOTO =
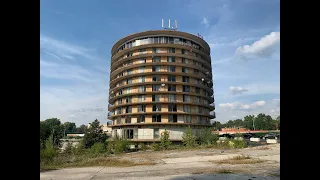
(152, 132)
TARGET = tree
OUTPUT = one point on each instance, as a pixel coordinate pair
(94, 134)
(69, 127)
(188, 138)
(164, 140)
(52, 127)
(248, 122)
(81, 129)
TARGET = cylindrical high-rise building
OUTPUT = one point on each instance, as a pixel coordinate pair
(160, 80)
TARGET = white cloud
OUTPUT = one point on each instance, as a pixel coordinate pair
(262, 48)
(64, 49)
(228, 111)
(237, 90)
(72, 90)
(205, 21)
(239, 106)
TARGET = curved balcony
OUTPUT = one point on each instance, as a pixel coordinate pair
(160, 112)
(118, 63)
(210, 90)
(163, 101)
(114, 81)
(189, 65)
(163, 123)
(113, 97)
(159, 45)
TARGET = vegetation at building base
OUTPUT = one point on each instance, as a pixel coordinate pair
(95, 147)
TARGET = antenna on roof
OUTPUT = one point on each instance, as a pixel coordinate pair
(169, 25)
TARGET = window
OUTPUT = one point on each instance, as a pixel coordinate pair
(141, 118)
(156, 59)
(171, 87)
(195, 71)
(172, 98)
(128, 99)
(141, 108)
(187, 118)
(155, 87)
(128, 90)
(156, 108)
(186, 108)
(128, 119)
(129, 81)
(184, 60)
(156, 118)
(120, 92)
(184, 70)
(171, 50)
(142, 89)
(141, 79)
(185, 79)
(171, 78)
(119, 111)
(156, 78)
(156, 68)
(142, 51)
(129, 71)
(156, 50)
(172, 118)
(128, 109)
(186, 98)
(171, 59)
(172, 107)
(197, 99)
(141, 69)
(183, 51)
(142, 60)
(156, 97)
(186, 88)
(119, 101)
(197, 90)
(141, 98)
(171, 69)
(205, 101)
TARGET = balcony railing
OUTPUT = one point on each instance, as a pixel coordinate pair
(110, 114)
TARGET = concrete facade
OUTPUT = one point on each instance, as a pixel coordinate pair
(160, 80)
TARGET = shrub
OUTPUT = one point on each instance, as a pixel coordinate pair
(155, 146)
(49, 152)
(165, 142)
(142, 147)
(205, 137)
(239, 143)
(98, 148)
(188, 138)
(118, 145)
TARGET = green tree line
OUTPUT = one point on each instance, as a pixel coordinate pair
(251, 122)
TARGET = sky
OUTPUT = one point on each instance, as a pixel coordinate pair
(76, 37)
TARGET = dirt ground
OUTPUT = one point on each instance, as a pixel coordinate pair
(263, 162)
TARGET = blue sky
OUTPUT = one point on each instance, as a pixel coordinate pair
(76, 37)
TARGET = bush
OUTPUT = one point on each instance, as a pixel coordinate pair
(165, 142)
(142, 147)
(223, 144)
(155, 146)
(98, 148)
(205, 137)
(117, 145)
(239, 144)
(49, 152)
(188, 138)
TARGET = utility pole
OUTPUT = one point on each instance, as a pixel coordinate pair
(253, 125)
